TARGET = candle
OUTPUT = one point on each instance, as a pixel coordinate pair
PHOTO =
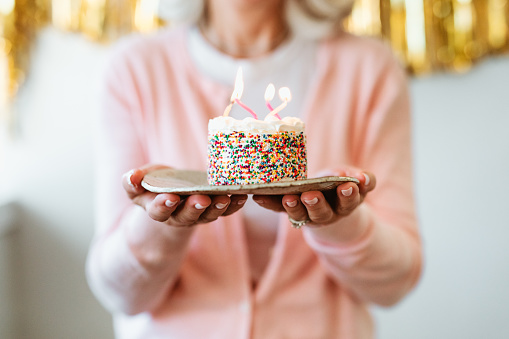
(285, 95)
(241, 104)
(237, 94)
(269, 95)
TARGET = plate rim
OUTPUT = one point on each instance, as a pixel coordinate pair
(231, 189)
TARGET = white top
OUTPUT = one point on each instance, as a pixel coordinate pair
(290, 65)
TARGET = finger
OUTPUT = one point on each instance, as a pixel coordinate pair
(367, 180)
(343, 171)
(319, 211)
(162, 206)
(328, 173)
(131, 181)
(368, 183)
(294, 208)
(130, 185)
(144, 199)
(188, 212)
(348, 197)
(158, 206)
(217, 207)
(236, 203)
(271, 202)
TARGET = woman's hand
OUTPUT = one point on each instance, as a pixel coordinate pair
(317, 209)
(175, 210)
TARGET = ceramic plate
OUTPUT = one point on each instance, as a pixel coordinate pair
(195, 182)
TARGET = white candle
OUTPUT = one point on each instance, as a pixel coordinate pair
(269, 95)
(285, 95)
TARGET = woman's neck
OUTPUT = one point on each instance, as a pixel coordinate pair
(244, 29)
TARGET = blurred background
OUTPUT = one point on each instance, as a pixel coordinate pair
(52, 55)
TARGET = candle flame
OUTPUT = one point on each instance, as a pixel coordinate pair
(285, 94)
(270, 92)
(239, 86)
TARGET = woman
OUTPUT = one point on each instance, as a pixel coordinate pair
(203, 266)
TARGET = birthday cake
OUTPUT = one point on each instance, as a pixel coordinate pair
(252, 151)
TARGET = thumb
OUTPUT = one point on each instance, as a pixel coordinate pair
(131, 181)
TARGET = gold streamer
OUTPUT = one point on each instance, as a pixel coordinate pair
(427, 35)
(19, 20)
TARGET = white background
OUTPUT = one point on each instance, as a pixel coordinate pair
(461, 143)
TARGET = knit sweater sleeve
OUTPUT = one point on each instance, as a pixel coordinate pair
(121, 281)
(383, 264)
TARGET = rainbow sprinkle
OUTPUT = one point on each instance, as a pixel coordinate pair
(240, 158)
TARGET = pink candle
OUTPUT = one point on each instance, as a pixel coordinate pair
(286, 96)
(241, 104)
(269, 95)
(237, 93)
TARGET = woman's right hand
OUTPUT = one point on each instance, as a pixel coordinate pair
(174, 210)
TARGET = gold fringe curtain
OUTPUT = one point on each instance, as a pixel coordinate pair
(427, 35)
(436, 35)
(19, 21)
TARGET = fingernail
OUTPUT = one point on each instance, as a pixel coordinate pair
(292, 203)
(200, 207)
(170, 203)
(220, 206)
(311, 202)
(367, 180)
(241, 202)
(260, 202)
(347, 192)
(129, 176)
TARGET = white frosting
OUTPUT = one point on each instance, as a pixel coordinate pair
(271, 124)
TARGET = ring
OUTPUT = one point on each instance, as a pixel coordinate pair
(298, 224)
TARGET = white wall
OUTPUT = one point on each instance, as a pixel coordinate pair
(8, 309)
(462, 167)
(47, 170)
(462, 161)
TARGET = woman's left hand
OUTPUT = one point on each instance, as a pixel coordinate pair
(317, 209)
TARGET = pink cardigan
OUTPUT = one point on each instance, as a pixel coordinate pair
(156, 110)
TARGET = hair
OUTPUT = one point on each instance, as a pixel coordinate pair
(311, 19)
